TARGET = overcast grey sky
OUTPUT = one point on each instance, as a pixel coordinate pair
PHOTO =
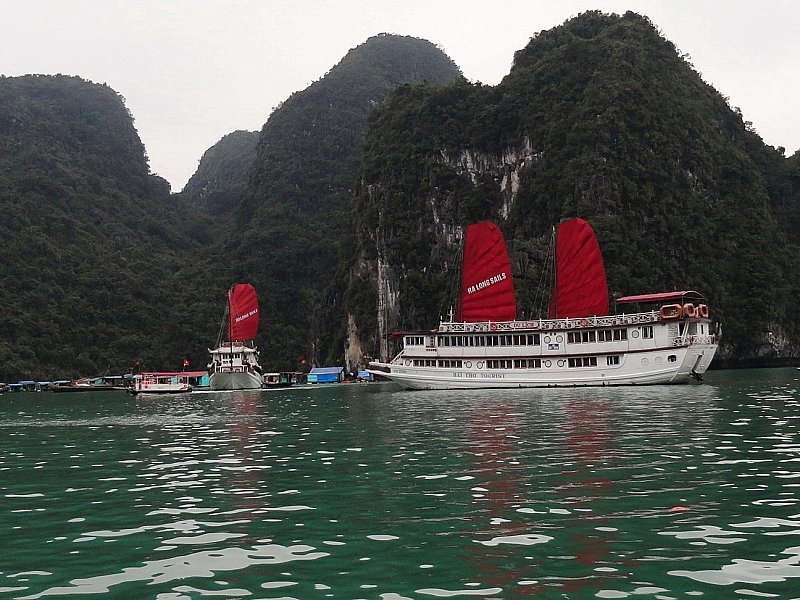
(192, 71)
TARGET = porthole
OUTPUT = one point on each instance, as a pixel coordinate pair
(559, 338)
(561, 362)
(635, 333)
(479, 364)
(468, 364)
(547, 363)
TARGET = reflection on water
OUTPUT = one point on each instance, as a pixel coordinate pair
(369, 491)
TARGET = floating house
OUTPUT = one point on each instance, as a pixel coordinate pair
(326, 375)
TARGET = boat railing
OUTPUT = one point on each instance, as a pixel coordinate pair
(551, 324)
(691, 340)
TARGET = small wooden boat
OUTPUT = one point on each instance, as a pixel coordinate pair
(88, 384)
(161, 383)
(278, 380)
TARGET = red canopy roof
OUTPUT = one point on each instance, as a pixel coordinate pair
(661, 297)
(175, 373)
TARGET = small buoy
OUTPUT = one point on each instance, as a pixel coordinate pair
(678, 509)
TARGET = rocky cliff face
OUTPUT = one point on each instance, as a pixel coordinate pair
(500, 172)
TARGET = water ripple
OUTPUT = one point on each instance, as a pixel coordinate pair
(204, 565)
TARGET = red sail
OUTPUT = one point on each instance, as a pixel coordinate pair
(243, 304)
(487, 287)
(580, 289)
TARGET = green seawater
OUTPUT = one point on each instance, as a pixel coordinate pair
(368, 491)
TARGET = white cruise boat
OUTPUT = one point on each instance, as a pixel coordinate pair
(666, 338)
(234, 362)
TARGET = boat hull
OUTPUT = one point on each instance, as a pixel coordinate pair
(159, 391)
(449, 379)
(234, 381)
(60, 389)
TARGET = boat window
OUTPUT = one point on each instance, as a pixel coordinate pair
(647, 332)
(583, 361)
(424, 362)
(612, 360)
(581, 337)
(612, 335)
(528, 363)
(499, 364)
(450, 364)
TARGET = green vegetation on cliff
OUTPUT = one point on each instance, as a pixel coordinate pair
(296, 210)
(88, 245)
(599, 118)
(221, 177)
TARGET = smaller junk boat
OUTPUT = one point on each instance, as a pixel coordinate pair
(162, 383)
(234, 362)
(666, 338)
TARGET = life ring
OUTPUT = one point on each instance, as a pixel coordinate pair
(702, 311)
(689, 310)
(584, 322)
(670, 311)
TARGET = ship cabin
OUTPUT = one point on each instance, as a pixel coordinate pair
(687, 310)
(233, 358)
(656, 321)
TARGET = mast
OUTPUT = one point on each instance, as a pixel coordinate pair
(554, 283)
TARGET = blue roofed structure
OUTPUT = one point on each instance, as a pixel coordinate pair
(326, 375)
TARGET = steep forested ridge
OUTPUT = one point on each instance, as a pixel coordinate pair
(599, 118)
(88, 244)
(221, 177)
(295, 211)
